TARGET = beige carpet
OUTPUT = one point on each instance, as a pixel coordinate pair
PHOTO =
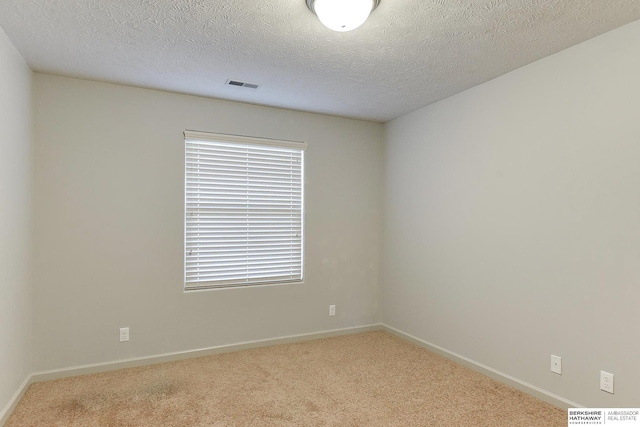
(367, 379)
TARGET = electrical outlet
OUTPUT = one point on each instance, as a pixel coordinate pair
(124, 334)
(606, 382)
(556, 364)
(332, 310)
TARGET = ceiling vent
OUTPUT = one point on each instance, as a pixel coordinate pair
(238, 83)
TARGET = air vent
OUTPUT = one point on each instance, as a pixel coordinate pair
(242, 84)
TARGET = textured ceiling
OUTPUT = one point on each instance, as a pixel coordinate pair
(410, 53)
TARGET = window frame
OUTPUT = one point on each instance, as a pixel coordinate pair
(193, 137)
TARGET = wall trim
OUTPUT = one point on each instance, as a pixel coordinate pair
(188, 354)
(523, 386)
(95, 368)
(11, 405)
(54, 374)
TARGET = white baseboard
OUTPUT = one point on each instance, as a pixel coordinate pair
(530, 389)
(169, 357)
(6, 412)
(525, 387)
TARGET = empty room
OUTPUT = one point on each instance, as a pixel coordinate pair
(319, 213)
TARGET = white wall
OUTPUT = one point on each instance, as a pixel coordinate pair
(15, 220)
(109, 178)
(512, 221)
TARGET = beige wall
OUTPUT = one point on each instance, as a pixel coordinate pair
(15, 220)
(512, 221)
(109, 179)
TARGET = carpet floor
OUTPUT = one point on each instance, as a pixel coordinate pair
(366, 379)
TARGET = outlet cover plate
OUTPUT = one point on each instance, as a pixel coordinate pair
(124, 334)
(556, 364)
(332, 310)
(606, 382)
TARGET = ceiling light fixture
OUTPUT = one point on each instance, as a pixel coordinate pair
(342, 15)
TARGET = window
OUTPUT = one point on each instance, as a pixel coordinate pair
(244, 202)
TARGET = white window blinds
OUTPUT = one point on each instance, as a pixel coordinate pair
(244, 211)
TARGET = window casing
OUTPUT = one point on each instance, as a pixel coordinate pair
(244, 215)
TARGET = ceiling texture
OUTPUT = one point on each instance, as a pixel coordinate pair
(410, 53)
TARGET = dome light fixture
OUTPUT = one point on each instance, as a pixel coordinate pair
(342, 15)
